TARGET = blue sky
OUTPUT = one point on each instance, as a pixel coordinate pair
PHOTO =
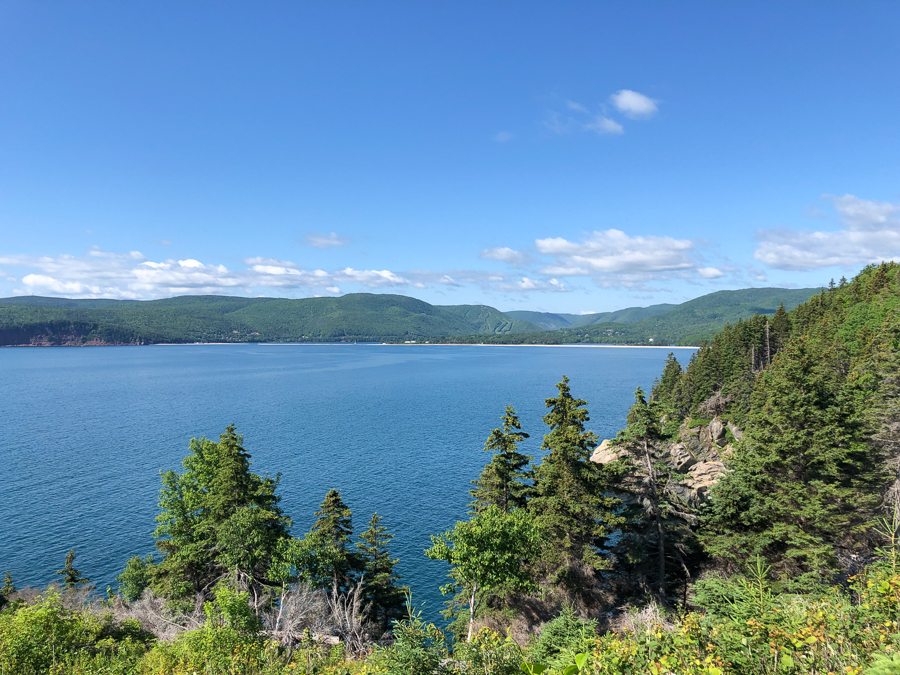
(557, 156)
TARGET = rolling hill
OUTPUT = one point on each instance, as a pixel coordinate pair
(353, 317)
(361, 317)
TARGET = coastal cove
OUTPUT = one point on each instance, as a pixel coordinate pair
(399, 431)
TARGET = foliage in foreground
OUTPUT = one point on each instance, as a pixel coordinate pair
(747, 628)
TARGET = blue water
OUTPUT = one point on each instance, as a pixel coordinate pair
(84, 433)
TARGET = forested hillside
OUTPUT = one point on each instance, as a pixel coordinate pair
(550, 321)
(353, 317)
(746, 519)
(366, 317)
(689, 323)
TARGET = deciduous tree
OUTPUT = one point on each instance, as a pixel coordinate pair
(489, 554)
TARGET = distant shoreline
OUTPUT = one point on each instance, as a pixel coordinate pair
(370, 344)
(468, 344)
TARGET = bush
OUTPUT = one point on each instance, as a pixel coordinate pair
(489, 654)
(564, 634)
(419, 647)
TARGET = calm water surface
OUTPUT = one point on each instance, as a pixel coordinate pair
(399, 430)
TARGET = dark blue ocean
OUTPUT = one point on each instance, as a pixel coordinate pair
(84, 433)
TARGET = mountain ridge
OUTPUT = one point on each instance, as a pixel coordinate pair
(377, 317)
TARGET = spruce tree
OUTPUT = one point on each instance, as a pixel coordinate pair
(384, 597)
(656, 518)
(330, 538)
(216, 518)
(803, 483)
(71, 577)
(7, 590)
(572, 501)
(503, 480)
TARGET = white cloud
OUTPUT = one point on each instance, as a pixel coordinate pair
(526, 284)
(504, 254)
(41, 282)
(330, 240)
(604, 125)
(572, 105)
(613, 258)
(871, 233)
(372, 278)
(111, 275)
(503, 136)
(633, 104)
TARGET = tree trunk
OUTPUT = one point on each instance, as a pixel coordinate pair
(472, 612)
(662, 555)
(661, 562)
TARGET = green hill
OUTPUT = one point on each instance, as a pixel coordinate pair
(368, 317)
(545, 320)
(550, 321)
(689, 323)
(354, 317)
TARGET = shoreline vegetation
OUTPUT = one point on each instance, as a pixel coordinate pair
(361, 317)
(745, 520)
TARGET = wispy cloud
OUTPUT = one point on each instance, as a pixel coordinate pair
(113, 275)
(330, 240)
(578, 117)
(104, 274)
(871, 233)
(604, 125)
(613, 258)
(504, 254)
(504, 136)
(634, 104)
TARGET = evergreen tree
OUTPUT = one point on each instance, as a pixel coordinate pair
(781, 328)
(135, 577)
(656, 518)
(7, 589)
(336, 563)
(71, 577)
(385, 598)
(572, 501)
(803, 482)
(502, 482)
(216, 518)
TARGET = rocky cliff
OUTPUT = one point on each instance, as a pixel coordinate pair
(698, 452)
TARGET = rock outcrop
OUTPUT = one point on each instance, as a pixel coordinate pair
(604, 454)
(698, 453)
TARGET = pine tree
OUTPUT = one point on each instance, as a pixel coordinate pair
(781, 328)
(8, 586)
(71, 577)
(502, 482)
(666, 391)
(655, 515)
(7, 590)
(385, 598)
(330, 537)
(572, 501)
(216, 518)
(802, 484)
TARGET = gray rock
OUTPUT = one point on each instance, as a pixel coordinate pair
(717, 431)
(737, 433)
(605, 454)
(681, 458)
(701, 477)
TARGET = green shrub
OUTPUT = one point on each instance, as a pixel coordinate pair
(564, 634)
(489, 653)
(418, 648)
